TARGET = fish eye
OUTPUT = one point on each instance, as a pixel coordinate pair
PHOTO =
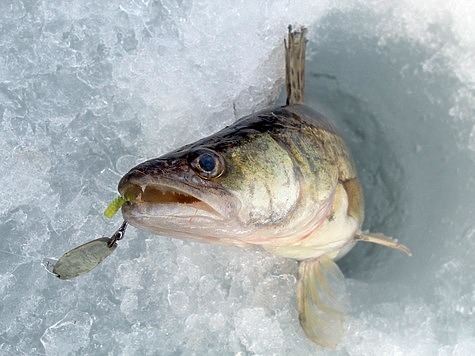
(207, 163)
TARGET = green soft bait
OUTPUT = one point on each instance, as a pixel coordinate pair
(114, 206)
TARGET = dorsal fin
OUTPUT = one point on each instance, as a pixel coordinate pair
(295, 65)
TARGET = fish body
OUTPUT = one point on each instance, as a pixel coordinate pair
(282, 178)
(285, 181)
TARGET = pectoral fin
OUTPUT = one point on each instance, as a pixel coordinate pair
(381, 239)
(321, 299)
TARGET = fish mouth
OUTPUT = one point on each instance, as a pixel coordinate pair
(167, 198)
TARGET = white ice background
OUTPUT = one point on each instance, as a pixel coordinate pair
(90, 88)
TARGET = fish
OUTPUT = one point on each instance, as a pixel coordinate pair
(282, 179)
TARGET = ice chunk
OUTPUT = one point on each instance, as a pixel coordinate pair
(258, 333)
(69, 335)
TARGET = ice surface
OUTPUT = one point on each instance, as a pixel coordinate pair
(88, 89)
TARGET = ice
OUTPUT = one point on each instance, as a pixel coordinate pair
(69, 335)
(88, 89)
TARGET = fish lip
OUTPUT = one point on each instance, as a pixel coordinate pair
(135, 191)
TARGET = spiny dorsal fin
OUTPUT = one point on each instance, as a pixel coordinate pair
(295, 65)
(321, 298)
(384, 240)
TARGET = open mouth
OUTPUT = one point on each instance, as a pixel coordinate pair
(163, 195)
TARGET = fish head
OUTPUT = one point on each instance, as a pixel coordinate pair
(233, 188)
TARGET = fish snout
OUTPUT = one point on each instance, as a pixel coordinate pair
(129, 185)
(134, 182)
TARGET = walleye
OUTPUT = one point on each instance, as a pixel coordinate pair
(282, 178)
